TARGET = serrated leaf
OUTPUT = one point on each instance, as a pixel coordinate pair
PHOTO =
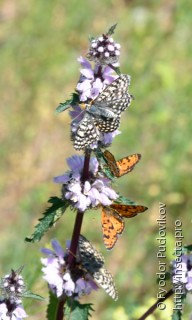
(52, 306)
(32, 295)
(66, 105)
(188, 247)
(123, 200)
(77, 311)
(51, 215)
(111, 30)
(177, 315)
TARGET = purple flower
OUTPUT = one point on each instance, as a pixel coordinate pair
(104, 51)
(92, 193)
(85, 286)
(92, 82)
(107, 138)
(182, 272)
(53, 266)
(62, 280)
(12, 286)
(12, 311)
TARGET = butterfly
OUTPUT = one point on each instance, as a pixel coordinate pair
(103, 114)
(122, 166)
(113, 223)
(93, 262)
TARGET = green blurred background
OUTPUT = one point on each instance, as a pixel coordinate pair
(40, 41)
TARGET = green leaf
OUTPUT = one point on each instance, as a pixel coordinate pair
(188, 248)
(108, 173)
(52, 306)
(66, 105)
(76, 311)
(104, 165)
(117, 70)
(51, 215)
(100, 157)
(99, 154)
(123, 200)
(177, 315)
(111, 30)
(32, 295)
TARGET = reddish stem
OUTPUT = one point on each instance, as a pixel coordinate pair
(155, 305)
(60, 309)
(80, 214)
(76, 233)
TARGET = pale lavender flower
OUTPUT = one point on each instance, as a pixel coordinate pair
(12, 311)
(12, 286)
(91, 81)
(107, 138)
(85, 286)
(92, 193)
(53, 268)
(182, 272)
(62, 280)
(104, 50)
(189, 281)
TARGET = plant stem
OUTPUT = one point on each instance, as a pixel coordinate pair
(76, 233)
(60, 309)
(79, 216)
(155, 305)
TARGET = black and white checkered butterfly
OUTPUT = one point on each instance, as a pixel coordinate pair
(103, 114)
(93, 262)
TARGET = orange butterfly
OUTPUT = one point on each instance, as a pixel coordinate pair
(122, 166)
(113, 223)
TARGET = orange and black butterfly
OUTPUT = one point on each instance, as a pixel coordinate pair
(113, 223)
(122, 166)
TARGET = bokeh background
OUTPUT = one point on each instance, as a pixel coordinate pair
(40, 41)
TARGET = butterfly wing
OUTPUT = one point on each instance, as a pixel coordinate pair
(127, 164)
(91, 259)
(110, 159)
(108, 125)
(93, 262)
(128, 211)
(115, 92)
(103, 115)
(86, 133)
(112, 226)
(104, 278)
(122, 166)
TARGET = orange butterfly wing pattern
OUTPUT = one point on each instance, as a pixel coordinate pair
(122, 166)
(113, 223)
(112, 226)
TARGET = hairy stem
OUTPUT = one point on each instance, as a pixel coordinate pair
(155, 305)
